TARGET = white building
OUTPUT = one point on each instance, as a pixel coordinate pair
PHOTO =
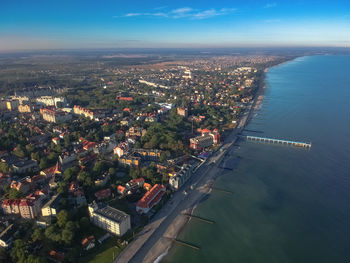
(110, 219)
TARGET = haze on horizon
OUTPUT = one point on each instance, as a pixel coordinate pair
(66, 24)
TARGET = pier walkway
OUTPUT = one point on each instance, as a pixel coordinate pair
(278, 141)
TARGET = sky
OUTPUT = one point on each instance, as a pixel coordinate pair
(74, 24)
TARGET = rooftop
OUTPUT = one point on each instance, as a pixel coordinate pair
(112, 213)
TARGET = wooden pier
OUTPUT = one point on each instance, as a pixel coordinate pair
(187, 244)
(278, 141)
(200, 218)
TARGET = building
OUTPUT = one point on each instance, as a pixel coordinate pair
(125, 98)
(24, 108)
(150, 199)
(23, 166)
(91, 114)
(178, 179)
(51, 208)
(182, 112)
(135, 131)
(207, 139)
(130, 160)
(12, 105)
(22, 186)
(121, 149)
(55, 116)
(52, 101)
(201, 142)
(103, 194)
(28, 209)
(110, 219)
(147, 154)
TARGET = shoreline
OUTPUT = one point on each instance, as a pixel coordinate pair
(156, 239)
(256, 105)
(181, 221)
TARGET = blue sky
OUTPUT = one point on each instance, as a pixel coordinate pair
(39, 24)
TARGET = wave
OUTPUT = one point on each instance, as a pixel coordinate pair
(158, 259)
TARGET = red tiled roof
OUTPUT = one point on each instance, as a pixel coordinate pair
(103, 193)
(152, 196)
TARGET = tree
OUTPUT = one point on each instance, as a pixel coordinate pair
(18, 251)
(4, 168)
(19, 151)
(84, 223)
(14, 194)
(43, 163)
(38, 234)
(52, 234)
(62, 218)
(111, 171)
(35, 156)
(67, 236)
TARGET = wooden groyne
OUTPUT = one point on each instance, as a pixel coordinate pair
(200, 218)
(221, 190)
(186, 244)
(278, 141)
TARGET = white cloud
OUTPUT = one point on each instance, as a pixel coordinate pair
(132, 14)
(185, 12)
(270, 5)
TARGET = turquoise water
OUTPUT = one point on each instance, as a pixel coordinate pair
(288, 204)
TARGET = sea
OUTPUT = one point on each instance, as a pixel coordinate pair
(287, 204)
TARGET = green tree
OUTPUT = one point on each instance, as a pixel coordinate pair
(67, 236)
(19, 151)
(14, 194)
(4, 168)
(84, 223)
(62, 218)
(38, 234)
(18, 251)
(44, 163)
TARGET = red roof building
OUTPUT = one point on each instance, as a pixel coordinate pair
(150, 199)
(102, 194)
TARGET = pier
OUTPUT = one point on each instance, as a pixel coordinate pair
(221, 190)
(187, 244)
(278, 141)
(200, 218)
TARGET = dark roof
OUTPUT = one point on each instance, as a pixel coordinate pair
(112, 213)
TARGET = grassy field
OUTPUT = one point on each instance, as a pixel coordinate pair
(104, 253)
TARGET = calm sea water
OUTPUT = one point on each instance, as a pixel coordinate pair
(288, 204)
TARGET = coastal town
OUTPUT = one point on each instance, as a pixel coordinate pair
(91, 156)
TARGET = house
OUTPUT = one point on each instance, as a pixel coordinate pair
(102, 180)
(130, 160)
(67, 158)
(121, 149)
(121, 189)
(24, 166)
(150, 199)
(182, 112)
(88, 243)
(103, 194)
(109, 218)
(147, 154)
(135, 184)
(22, 186)
(176, 180)
(51, 208)
(56, 257)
